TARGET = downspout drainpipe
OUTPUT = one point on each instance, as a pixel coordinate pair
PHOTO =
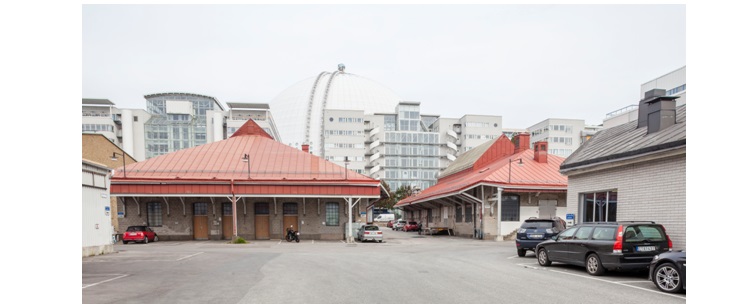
(234, 214)
(481, 215)
(499, 215)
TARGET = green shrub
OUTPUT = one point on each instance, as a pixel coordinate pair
(240, 240)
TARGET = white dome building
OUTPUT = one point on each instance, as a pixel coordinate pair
(299, 111)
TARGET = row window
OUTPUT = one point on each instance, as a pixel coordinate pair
(351, 119)
(344, 132)
(677, 89)
(479, 136)
(97, 128)
(345, 145)
(477, 124)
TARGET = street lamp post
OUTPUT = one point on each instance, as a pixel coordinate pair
(509, 167)
(115, 158)
(246, 160)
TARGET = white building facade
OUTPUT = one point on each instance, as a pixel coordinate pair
(97, 227)
(171, 121)
(563, 135)
(674, 83)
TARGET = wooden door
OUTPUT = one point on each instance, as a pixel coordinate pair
(289, 218)
(227, 222)
(200, 221)
(261, 221)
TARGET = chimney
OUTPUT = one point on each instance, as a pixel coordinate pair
(521, 142)
(540, 152)
(656, 111)
(306, 148)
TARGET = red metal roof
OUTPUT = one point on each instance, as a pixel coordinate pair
(493, 167)
(208, 169)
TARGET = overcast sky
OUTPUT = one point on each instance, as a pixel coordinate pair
(524, 63)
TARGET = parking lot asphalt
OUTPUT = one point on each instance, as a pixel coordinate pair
(405, 268)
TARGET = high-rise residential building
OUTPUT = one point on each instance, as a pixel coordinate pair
(170, 122)
(674, 83)
(563, 135)
(178, 121)
(364, 126)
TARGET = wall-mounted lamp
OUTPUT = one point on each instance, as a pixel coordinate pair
(115, 158)
(246, 160)
(509, 167)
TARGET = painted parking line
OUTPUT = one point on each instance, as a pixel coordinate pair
(621, 283)
(105, 281)
(189, 256)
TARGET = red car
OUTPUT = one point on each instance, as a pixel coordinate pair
(410, 226)
(139, 234)
(391, 223)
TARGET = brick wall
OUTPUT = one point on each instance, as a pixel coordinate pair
(653, 191)
(177, 220)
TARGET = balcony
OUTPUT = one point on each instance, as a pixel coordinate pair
(452, 134)
(374, 157)
(374, 131)
(374, 144)
(452, 146)
(451, 157)
(374, 169)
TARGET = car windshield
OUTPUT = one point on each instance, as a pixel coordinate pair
(537, 224)
(371, 228)
(135, 228)
(413, 223)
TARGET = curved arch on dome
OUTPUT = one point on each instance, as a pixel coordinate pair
(299, 110)
(310, 106)
(322, 112)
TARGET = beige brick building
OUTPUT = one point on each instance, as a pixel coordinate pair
(98, 148)
(635, 171)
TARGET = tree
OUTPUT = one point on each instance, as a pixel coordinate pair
(394, 196)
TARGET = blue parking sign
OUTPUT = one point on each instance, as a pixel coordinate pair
(570, 216)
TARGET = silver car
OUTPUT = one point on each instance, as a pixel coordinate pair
(369, 232)
(399, 224)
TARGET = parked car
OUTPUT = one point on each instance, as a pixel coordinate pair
(606, 246)
(369, 232)
(399, 224)
(410, 226)
(534, 231)
(139, 234)
(669, 271)
(390, 224)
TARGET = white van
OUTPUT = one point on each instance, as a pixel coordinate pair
(385, 217)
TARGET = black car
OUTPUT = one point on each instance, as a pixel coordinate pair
(534, 231)
(669, 271)
(606, 246)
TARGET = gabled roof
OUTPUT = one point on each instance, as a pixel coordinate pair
(223, 160)
(627, 141)
(497, 165)
(218, 169)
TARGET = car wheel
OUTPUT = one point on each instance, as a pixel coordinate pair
(156, 238)
(521, 252)
(380, 241)
(667, 278)
(125, 242)
(146, 240)
(543, 257)
(594, 266)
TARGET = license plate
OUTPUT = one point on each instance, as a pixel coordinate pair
(646, 248)
(535, 236)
